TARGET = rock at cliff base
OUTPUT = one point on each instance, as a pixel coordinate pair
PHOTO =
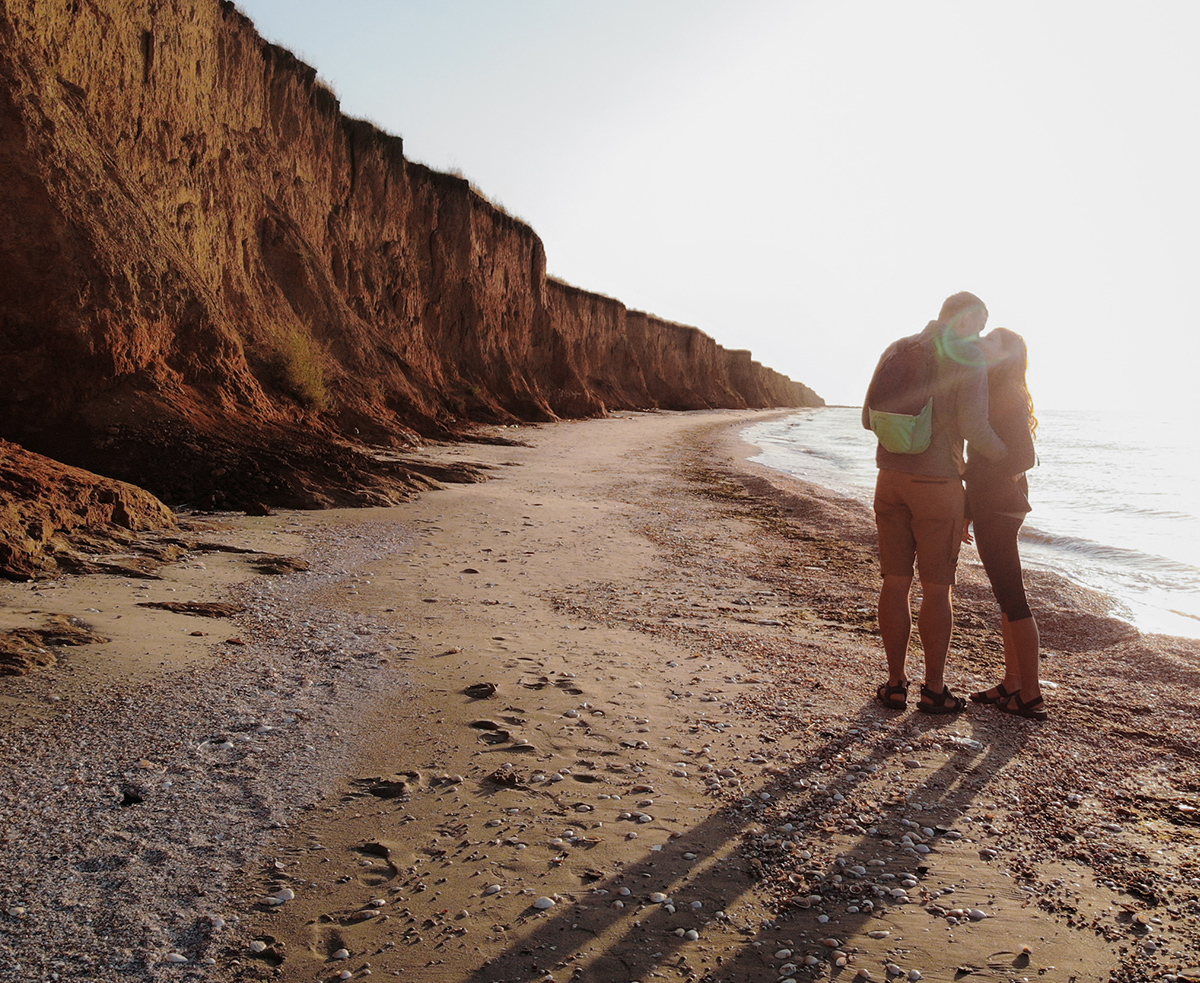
(51, 514)
(202, 609)
(24, 650)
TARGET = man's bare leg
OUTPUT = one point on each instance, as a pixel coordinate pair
(934, 624)
(895, 625)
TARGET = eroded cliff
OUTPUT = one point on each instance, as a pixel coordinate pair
(218, 287)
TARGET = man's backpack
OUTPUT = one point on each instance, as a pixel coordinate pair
(900, 397)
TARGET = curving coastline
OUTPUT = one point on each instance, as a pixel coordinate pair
(220, 288)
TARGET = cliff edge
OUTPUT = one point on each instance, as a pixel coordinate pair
(220, 288)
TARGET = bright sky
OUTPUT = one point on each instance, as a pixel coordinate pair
(810, 178)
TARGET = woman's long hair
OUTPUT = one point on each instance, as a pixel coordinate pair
(1006, 373)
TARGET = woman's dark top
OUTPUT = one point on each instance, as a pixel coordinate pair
(998, 497)
(992, 486)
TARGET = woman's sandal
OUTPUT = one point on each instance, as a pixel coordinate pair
(1034, 709)
(943, 702)
(1001, 697)
(893, 697)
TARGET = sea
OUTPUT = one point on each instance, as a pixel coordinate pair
(1115, 495)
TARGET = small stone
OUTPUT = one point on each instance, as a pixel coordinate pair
(176, 957)
(341, 954)
(657, 897)
(492, 889)
(691, 935)
(541, 904)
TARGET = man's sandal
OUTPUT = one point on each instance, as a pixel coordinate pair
(1001, 695)
(943, 702)
(1034, 709)
(893, 697)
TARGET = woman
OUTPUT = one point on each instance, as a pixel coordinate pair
(997, 502)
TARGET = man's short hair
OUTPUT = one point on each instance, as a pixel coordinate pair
(959, 304)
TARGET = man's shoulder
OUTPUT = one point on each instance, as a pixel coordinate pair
(927, 336)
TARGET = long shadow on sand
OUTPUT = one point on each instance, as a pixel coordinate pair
(595, 941)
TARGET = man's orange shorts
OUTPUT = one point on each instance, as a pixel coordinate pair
(918, 516)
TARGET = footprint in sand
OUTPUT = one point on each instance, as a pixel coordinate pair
(325, 941)
(377, 874)
(399, 786)
(268, 949)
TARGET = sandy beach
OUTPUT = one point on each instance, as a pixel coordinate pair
(605, 716)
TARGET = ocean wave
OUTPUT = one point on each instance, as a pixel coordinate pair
(1117, 555)
(1109, 506)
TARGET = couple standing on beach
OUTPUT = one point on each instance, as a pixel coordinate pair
(930, 393)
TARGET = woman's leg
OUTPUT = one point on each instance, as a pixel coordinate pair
(1023, 638)
(996, 539)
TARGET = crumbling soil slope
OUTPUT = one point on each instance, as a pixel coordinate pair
(53, 516)
(195, 242)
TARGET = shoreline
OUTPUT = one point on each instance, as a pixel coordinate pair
(664, 623)
(1067, 554)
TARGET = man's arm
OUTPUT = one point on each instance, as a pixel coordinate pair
(973, 414)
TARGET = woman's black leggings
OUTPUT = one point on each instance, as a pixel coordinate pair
(996, 540)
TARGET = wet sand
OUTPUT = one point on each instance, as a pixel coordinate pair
(607, 716)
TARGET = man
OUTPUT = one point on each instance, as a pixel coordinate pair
(919, 502)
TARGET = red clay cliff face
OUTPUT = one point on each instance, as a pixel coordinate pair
(215, 284)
